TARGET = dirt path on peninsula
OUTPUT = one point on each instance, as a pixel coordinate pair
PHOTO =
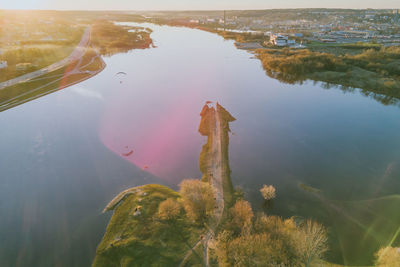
(216, 172)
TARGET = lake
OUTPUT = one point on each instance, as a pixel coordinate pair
(332, 156)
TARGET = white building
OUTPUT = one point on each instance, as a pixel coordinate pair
(3, 64)
(279, 40)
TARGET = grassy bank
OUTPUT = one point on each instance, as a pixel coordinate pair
(144, 239)
(376, 71)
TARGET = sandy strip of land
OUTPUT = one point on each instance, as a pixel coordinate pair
(216, 173)
(217, 176)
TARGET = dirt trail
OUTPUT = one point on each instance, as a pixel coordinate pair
(217, 172)
(216, 177)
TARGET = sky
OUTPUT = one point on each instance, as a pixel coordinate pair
(192, 4)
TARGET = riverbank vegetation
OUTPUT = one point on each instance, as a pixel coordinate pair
(262, 240)
(153, 225)
(375, 71)
(156, 226)
(148, 228)
(243, 37)
(198, 199)
(369, 66)
(111, 38)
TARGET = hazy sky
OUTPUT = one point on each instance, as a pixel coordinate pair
(192, 4)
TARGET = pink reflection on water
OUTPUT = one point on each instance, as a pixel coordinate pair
(163, 138)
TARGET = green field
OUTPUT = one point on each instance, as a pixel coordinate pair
(20, 93)
(358, 229)
(143, 240)
(374, 223)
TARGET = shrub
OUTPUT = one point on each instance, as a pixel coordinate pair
(241, 214)
(169, 209)
(388, 257)
(268, 192)
(198, 199)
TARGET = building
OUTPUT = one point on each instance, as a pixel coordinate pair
(299, 35)
(279, 40)
(3, 64)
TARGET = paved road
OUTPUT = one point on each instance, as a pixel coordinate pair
(75, 55)
(79, 68)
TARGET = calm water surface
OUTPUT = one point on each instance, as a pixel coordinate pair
(332, 156)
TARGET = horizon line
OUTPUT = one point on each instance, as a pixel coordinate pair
(198, 10)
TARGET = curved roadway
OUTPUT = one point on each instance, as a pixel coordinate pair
(78, 52)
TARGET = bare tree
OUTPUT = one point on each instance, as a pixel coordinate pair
(311, 241)
(268, 192)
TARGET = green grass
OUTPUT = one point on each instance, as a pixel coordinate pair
(375, 71)
(225, 119)
(308, 188)
(322, 263)
(144, 240)
(342, 49)
(111, 39)
(39, 55)
(206, 128)
(362, 227)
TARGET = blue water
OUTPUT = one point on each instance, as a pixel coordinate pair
(62, 157)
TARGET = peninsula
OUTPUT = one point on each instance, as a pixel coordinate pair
(206, 223)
